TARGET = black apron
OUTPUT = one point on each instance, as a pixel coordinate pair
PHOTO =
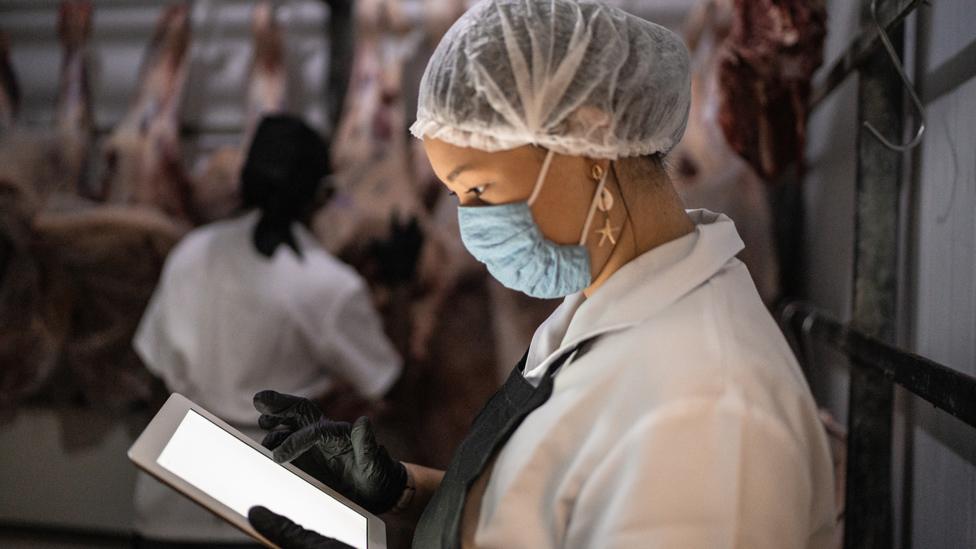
(517, 398)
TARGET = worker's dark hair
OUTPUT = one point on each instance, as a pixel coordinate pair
(285, 167)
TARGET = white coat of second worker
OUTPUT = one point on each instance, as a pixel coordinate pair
(685, 423)
(226, 322)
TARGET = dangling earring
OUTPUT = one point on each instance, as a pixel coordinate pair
(604, 204)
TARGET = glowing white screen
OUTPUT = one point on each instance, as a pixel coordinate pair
(238, 476)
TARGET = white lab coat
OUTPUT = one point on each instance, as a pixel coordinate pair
(686, 423)
(226, 322)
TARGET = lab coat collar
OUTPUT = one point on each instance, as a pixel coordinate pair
(652, 281)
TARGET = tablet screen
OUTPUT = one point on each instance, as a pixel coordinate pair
(233, 473)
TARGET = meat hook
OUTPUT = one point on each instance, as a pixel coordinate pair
(908, 85)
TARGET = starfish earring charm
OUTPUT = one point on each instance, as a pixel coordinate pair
(607, 233)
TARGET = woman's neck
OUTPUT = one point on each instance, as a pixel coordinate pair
(655, 217)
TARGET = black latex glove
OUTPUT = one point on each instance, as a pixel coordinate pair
(284, 533)
(343, 456)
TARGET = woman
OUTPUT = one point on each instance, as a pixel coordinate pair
(659, 406)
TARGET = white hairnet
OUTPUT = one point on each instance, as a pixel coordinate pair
(577, 77)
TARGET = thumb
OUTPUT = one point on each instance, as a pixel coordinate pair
(284, 533)
(271, 525)
(364, 444)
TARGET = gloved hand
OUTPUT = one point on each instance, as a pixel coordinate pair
(346, 458)
(284, 533)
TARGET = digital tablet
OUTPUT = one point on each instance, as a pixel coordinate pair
(226, 472)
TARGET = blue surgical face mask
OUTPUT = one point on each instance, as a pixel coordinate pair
(507, 240)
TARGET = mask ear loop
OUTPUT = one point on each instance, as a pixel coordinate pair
(593, 203)
(542, 178)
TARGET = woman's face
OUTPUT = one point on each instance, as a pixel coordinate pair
(482, 178)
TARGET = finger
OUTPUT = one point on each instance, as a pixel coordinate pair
(273, 402)
(334, 437)
(270, 421)
(296, 444)
(274, 439)
(289, 409)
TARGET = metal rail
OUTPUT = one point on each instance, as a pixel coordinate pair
(949, 390)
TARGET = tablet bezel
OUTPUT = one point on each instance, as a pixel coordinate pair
(147, 448)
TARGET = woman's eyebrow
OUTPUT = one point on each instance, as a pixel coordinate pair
(457, 171)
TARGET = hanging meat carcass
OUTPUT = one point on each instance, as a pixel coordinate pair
(113, 255)
(73, 286)
(9, 89)
(708, 173)
(34, 165)
(52, 161)
(74, 275)
(142, 157)
(371, 156)
(369, 143)
(74, 112)
(444, 310)
(216, 179)
(768, 61)
(33, 301)
(267, 86)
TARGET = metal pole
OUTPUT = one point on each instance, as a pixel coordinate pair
(868, 518)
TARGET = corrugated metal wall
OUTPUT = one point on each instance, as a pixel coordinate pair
(220, 57)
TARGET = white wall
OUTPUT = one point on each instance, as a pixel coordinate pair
(943, 461)
(935, 457)
(828, 202)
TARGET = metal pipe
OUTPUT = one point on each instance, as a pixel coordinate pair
(949, 390)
